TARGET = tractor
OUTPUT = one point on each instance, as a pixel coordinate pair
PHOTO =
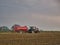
(21, 29)
(33, 29)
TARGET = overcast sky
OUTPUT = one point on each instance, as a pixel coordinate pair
(44, 14)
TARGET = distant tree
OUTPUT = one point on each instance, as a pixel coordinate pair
(4, 28)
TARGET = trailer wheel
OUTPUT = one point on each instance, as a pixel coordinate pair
(21, 31)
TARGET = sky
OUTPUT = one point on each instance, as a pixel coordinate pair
(44, 14)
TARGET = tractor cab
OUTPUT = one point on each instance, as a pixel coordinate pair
(33, 29)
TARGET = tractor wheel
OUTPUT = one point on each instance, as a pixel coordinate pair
(36, 31)
(30, 31)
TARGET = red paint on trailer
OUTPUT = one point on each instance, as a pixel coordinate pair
(18, 28)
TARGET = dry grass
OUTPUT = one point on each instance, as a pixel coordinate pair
(42, 38)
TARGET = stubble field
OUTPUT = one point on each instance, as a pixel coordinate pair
(42, 38)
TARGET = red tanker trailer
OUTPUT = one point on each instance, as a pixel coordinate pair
(19, 28)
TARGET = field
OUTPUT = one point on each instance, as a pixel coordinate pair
(42, 38)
